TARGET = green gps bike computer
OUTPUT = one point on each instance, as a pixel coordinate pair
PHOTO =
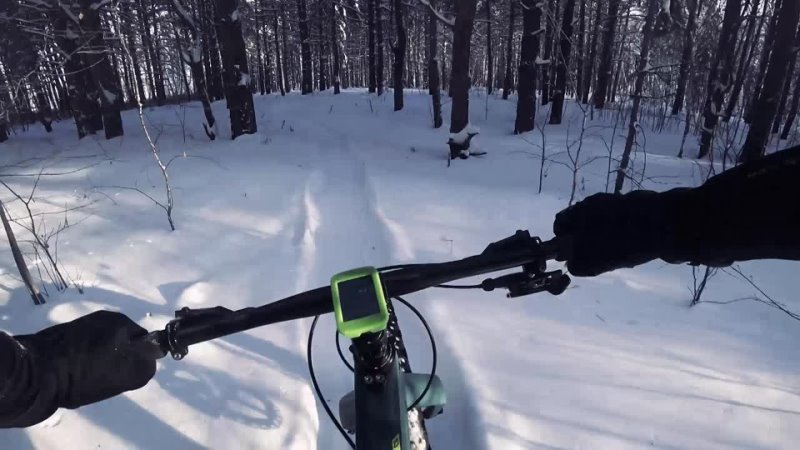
(359, 302)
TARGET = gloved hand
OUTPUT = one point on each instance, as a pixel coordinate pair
(91, 358)
(610, 231)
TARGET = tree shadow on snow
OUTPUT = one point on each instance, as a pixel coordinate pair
(16, 439)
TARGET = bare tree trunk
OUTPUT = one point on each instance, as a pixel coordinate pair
(769, 43)
(371, 45)
(287, 59)
(587, 77)
(106, 81)
(306, 82)
(137, 71)
(379, 46)
(563, 63)
(43, 105)
(181, 60)
(509, 49)
(399, 54)
(580, 56)
(489, 56)
(335, 46)
(459, 72)
(529, 50)
(3, 122)
(268, 84)
(85, 110)
(433, 67)
(549, 19)
(787, 84)
(193, 58)
(787, 127)
(236, 74)
(612, 97)
(720, 75)
(280, 77)
(36, 296)
(606, 55)
(323, 52)
(767, 103)
(641, 72)
(155, 58)
(213, 69)
(745, 61)
(262, 82)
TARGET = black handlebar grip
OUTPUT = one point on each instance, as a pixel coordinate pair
(151, 345)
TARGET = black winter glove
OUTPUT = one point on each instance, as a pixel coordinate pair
(609, 231)
(748, 212)
(90, 358)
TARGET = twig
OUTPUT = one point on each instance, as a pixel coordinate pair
(170, 203)
(769, 300)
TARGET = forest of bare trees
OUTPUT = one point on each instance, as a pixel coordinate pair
(701, 66)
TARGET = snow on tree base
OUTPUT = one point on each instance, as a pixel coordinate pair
(465, 135)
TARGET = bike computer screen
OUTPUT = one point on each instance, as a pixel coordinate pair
(358, 302)
(357, 298)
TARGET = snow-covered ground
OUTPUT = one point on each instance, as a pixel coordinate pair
(330, 183)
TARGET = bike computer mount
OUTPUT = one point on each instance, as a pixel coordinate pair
(534, 276)
(359, 303)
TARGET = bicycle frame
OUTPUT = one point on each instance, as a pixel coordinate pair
(377, 409)
(381, 417)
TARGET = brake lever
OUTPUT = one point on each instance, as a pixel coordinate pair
(522, 283)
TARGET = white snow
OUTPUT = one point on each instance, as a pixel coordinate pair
(108, 95)
(619, 361)
(540, 61)
(244, 79)
(463, 135)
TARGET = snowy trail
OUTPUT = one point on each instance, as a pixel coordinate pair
(342, 212)
(340, 231)
(335, 182)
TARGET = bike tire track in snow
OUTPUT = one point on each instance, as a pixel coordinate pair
(346, 227)
(340, 229)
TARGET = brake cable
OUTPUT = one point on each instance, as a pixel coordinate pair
(317, 389)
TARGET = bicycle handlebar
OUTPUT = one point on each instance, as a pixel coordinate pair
(520, 250)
